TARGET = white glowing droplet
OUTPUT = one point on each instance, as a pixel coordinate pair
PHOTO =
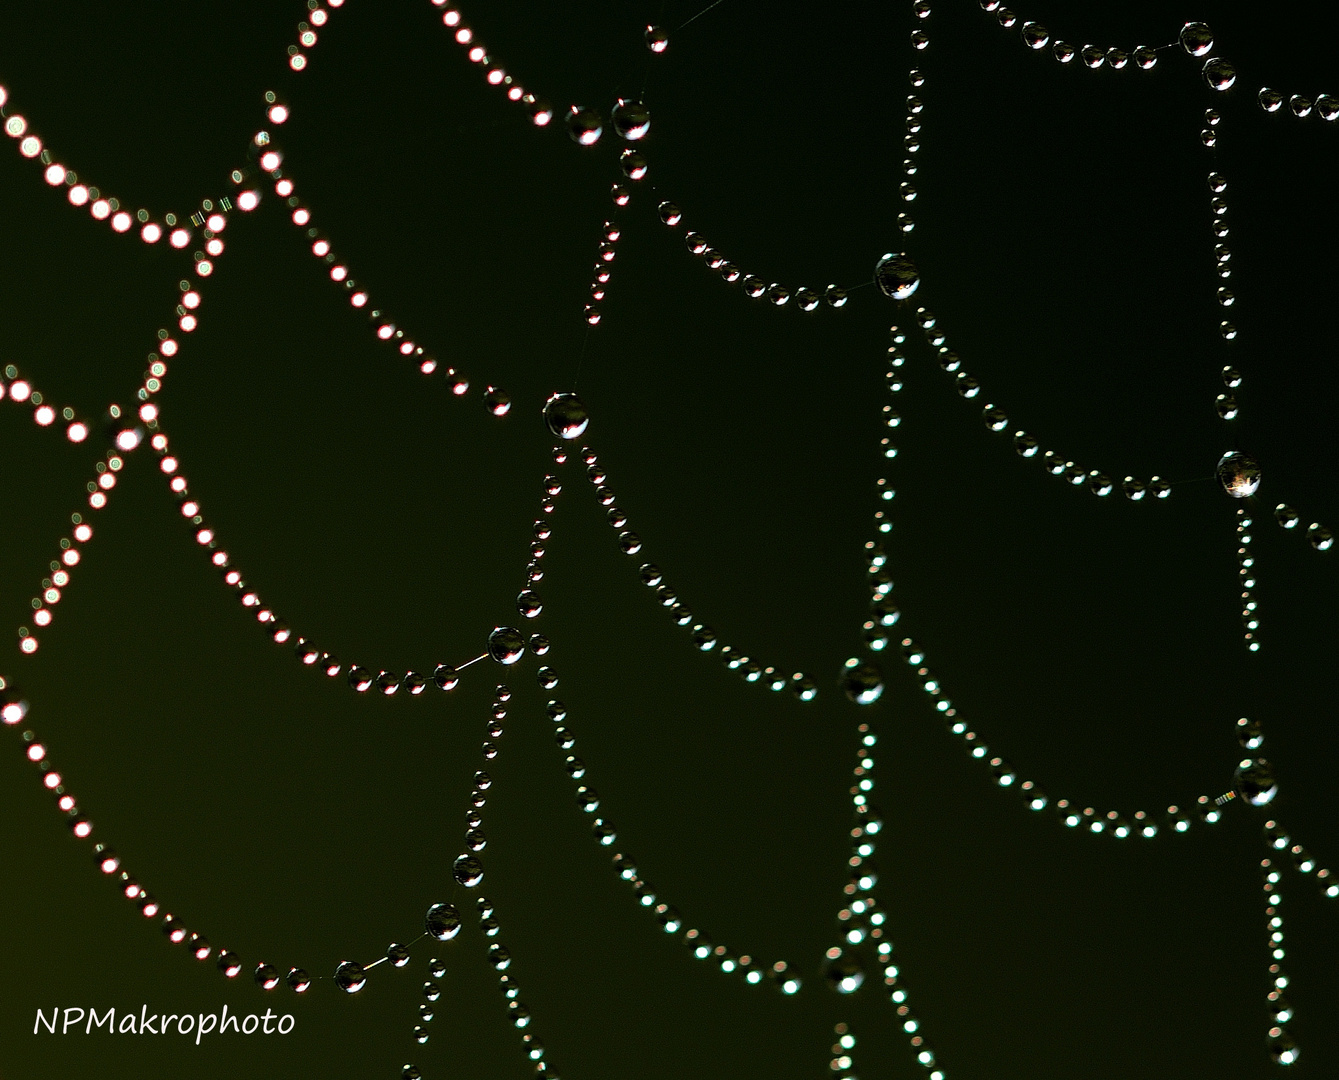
(216, 223)
(321, 248)
(121, 221)
(190, 300)
(168, 347)
(100, 209)
(179, 238)
(55, 174)
(298, 62)
(248, 200)
(278, 114)
(301, 216)
(20, 390)
(269, 161)
(339, 273)
(204, 268)
(151, 233)
(30, 147)
(76, 433)
(15, 126)
(215, 247)
(284, 188)
(44, 415)
(78, 195)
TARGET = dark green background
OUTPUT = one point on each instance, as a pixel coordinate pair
(1063, 234)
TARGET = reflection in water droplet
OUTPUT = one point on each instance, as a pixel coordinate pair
(350, 977)
(897, 276)
(1239, 474)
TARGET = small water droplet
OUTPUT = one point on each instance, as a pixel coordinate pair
(1219, 74)
(497, 401)
(298, 980)
(656, 39)
(1145, 57)
(1270, 100)
(1035, 36)
(267, 976)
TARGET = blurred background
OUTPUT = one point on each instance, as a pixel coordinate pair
(1062, 228)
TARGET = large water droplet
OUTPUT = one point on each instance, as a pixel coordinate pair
(1196, 38)
(844, 974)
(442, 921)
(1239, 474)
(468, 870)
(631, 118)
(566, 416)
(1254, 781)
(506, 645)
(350, 977)
(897, 276)
(862, 683)
(1219, 74)
(584, 125)
(397, 954)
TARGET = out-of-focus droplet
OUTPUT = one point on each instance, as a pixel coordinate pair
(1226, 405)
(1283, 1048)
(350, 977)
(1286, 516)
(1320, 537)
(436, 968)
(656, 39)
(1254, 781)
(897, 276)
(566, 416)
(584, 125)
(506, 645)
(1196, 38)
(1239, 474)
(468, 870)
(862, 683)
(442, 921)
(1219, 74)
(632, 119)
(844, 974)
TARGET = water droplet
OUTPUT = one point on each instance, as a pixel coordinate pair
(267, 976)
(1286, 516)
(1254, 781)
(1063, 51)
(1300, 105)
(897, 276)
(1328, 107)
(1239, 474)
(497, 401)
(1280, 1011)
(1035, 35)
(360, 679)
(1219, 74)
(862, 683)
(506, 645)
(803, 687)
(350, 977)
(566, 416)
(539, 644)
(436, 968)
(442, 921)
(584, 125)
(298, 980)
(1226, 405)
(844, 974)
(806, 299)
(656, 39)
(1092, 56)
(410, 1073)
(1231, 377)
(1145, 57)
(1117, 58)
(632, 120)
(634, 167)
(468, 870)
(1270, 100)
(528, 604)
(446, 677)
(1283, 1047)
(541, 115)
(388, 682)
(420, 1034)
(1321, 538)
(1196, 38)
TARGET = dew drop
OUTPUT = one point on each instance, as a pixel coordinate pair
(566, 416)
(897, 276)
(442, 921)
(1239, 475)
(350, 977)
